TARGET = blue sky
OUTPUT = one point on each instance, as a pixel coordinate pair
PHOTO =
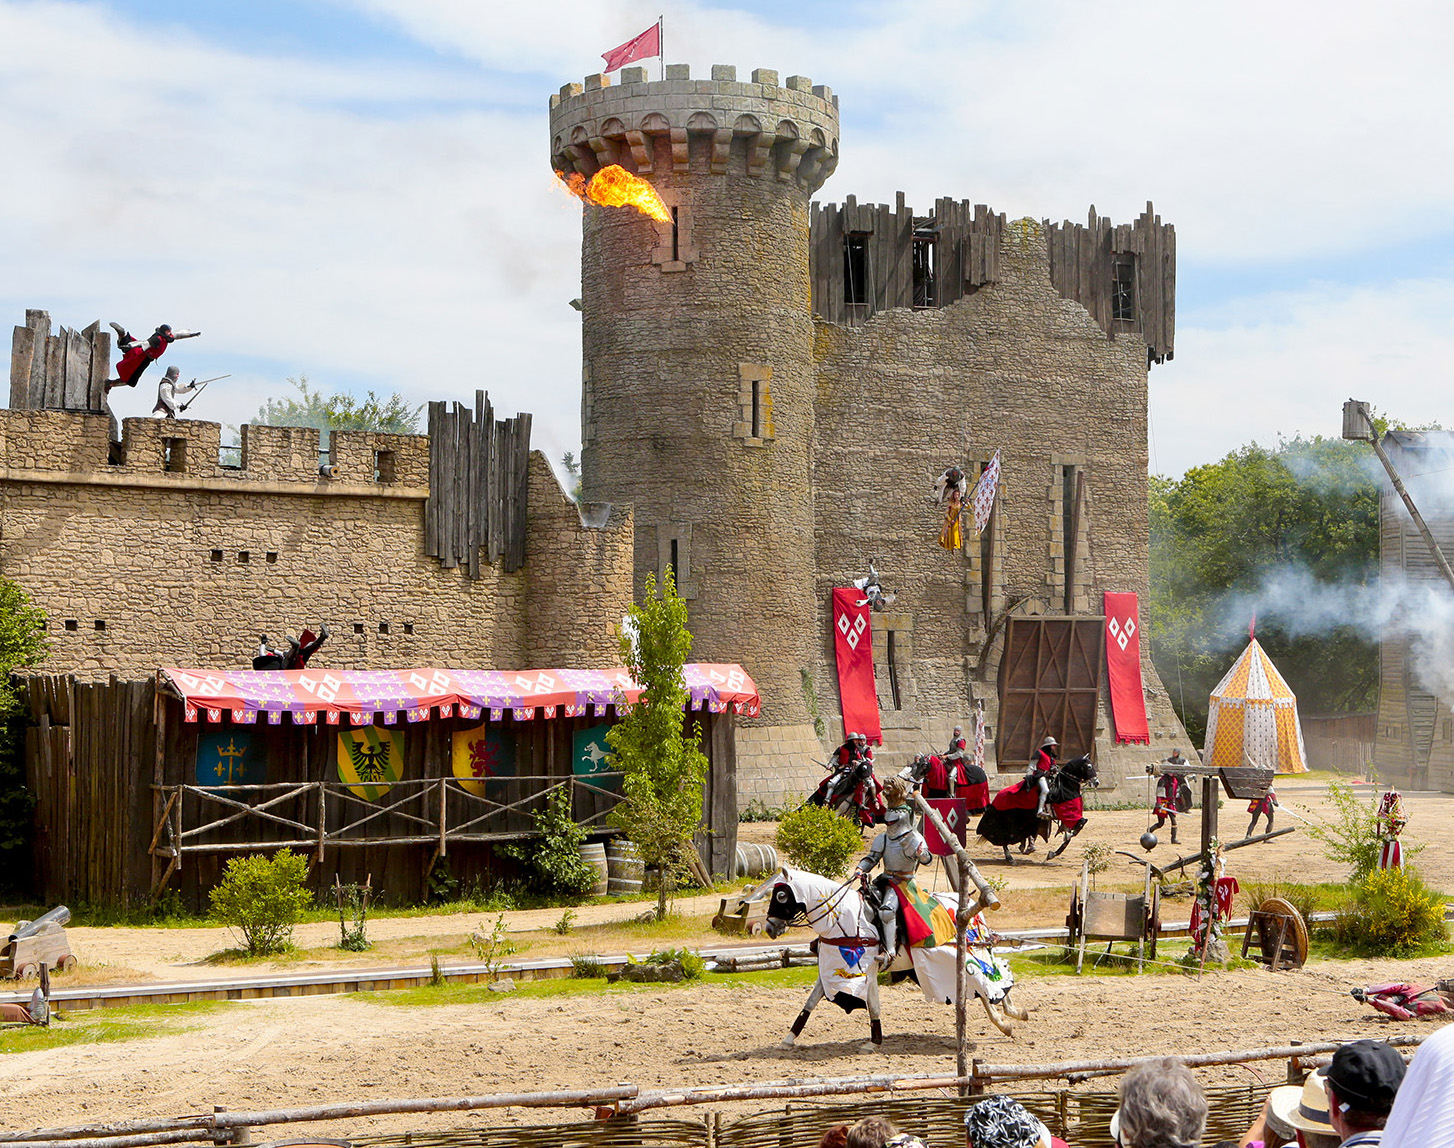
(357, 190)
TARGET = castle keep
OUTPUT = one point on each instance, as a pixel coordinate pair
(774, 384)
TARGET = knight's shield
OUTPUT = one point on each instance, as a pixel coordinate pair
(370, 760)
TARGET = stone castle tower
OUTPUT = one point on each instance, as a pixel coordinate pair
(699, 381)
(773, 385)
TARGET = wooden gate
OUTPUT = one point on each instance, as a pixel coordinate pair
(1050, 684)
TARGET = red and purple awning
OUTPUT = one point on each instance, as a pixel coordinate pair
(420, 694)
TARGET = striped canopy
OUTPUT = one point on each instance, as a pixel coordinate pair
(1252, 719)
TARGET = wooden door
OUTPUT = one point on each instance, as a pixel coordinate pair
(1050, 683)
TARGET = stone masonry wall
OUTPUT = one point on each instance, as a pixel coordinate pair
(138, 566)
(1013, 367)
(699, 379)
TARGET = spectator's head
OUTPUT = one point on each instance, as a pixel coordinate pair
(1003, 1122)
(1362, 1082)
(835, 1137)
(1162, 1106)
(871, 1132)
(1307, 1115)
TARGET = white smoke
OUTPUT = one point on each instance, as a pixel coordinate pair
(1394, 606)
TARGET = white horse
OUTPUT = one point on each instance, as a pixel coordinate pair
(848, 951)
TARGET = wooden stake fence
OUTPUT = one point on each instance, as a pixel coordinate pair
(222, 1126)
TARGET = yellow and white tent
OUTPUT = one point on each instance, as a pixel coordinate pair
(1253, 717)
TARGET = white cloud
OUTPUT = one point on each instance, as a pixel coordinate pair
(1284, 363)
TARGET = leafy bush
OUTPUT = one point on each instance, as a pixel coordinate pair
(819, 840)
(494, 948)
(566, 923)
(263, 898)
(553, 860)
(586, 967)
(693, 966)
(1393, 914)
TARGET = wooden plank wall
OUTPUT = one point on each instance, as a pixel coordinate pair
(1081, 259)
(478, 486)
(967, 254)
(88, 762)
(90, 759)
(65, 371)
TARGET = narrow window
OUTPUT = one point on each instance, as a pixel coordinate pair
(383, 466)
(892, 658)
(672, 566)
(100, 623)
(924, 287)
(1123, 288)
(358, 627)
(72, 624)
(408, 627)
(383, 627)
(216, 556)
(174, 455)
(243, 557)
(676, 237)
(272, 557)
(756, 408)
(855, 269)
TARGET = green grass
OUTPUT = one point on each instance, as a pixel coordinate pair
(104, 1026)
(1053, 962)
(457, 994)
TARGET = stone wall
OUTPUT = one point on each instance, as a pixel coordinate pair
(169, 558)
(1013, 367)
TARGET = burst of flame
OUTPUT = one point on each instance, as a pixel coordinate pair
(614, 186)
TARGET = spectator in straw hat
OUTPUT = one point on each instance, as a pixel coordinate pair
(1003, 1122)
(1162, 1106)
(1308, 1115)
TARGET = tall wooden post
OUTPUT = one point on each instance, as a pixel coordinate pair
(1211, 792)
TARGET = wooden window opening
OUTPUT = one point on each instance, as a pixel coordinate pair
(855, 269)
(925, 287)
(676, 236)
(1123, 288)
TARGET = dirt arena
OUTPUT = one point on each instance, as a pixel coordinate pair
(279, 1053)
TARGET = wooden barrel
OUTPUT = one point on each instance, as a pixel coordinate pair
(593, 853)
(624, 871)
(755, 860)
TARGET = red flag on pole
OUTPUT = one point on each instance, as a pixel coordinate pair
(853, 642)
(636, 48)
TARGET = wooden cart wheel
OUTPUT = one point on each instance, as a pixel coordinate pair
(66, 963)
(26, 971)
(1270, 915)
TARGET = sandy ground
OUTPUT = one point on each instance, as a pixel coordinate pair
(288, 1052)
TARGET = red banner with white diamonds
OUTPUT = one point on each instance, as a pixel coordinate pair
(1123, 669)
(853, 641)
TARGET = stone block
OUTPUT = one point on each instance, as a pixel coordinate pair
(633, 75)
(678, 72)
(726, 72)
(596, 81)
(765, 76)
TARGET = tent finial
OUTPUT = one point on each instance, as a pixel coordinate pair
(1252, 628)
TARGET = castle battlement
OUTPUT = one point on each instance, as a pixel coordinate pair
(789, 131)
(63, 445)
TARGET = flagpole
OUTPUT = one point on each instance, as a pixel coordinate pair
(661, 44)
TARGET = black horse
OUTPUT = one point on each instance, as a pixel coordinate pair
(1011, 819)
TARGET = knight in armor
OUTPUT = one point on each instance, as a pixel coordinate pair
(295, 657)
(902, 850)
(137, 355)
(1390, 822)
(875, 597)
(1262, 807)
(968, 780)
(168, 391)
(851, 777)
(1168, 794)
(1038, 775)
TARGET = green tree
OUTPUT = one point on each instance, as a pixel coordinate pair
(22, 643)
(312, 408)
(1266, 530)
(662, 765)
(572, 474)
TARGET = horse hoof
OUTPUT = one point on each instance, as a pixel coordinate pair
(786, 1042)
(869, 1046)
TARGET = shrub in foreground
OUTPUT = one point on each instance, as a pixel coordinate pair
(819, 840)
(1392, 914)
(262, 898)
